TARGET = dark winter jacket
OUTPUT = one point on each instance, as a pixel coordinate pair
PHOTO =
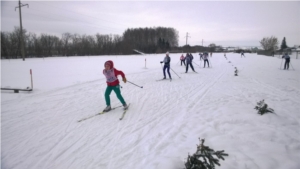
(188, 58)
(286, 56)
(167, 60)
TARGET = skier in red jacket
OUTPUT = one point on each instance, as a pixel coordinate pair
(113, 84)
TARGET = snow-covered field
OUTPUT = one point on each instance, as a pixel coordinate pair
(39, 129)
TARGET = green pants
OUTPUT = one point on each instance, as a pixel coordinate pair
(116, 90)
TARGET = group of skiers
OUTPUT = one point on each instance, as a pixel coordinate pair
(189, 60)
(113, 83)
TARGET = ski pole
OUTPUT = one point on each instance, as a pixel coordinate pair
(281, 63)
(135, 84)
(175, 72)
(210, 62)
(200, 63)
(292, 66)
(196, 64)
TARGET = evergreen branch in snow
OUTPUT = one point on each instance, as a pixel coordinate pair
(262, 108)
(204, 158)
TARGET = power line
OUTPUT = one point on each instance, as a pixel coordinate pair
(80, 22)
(85, 15)
(60, 17)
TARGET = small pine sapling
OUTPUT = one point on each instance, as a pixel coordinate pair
(203, 158)
(235, 71)
(262, 108)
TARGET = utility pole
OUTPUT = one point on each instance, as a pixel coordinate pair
(187, 36)
(21, 29)
(202, 42)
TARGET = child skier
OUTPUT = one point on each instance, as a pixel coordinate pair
(287, 61)
(182, 58)
(166, 62)
(113, 84)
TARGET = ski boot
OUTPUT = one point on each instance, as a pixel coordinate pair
(107, 109)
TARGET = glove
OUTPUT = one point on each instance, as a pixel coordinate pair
(124, 80)
(161, 62)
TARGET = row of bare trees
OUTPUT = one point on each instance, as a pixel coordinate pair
(149, 40)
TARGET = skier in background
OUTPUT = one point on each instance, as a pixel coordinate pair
(113, 84)
(201, 56)
(287, 61)
(242, 54)
(205, 57)
(182, 58)
(166, 62)
(189, 61)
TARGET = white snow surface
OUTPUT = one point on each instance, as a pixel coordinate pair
(39, 129)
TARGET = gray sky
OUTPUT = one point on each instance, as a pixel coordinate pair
(225, 23)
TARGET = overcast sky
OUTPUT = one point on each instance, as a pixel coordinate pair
(225, 23)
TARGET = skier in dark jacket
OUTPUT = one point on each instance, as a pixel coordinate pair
(287, 61)
(189, 61)
(166, 62)
(242, 54)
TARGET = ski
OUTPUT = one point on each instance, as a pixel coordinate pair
(161, 79)
(188, 72)
(98, 114)
(124, 112)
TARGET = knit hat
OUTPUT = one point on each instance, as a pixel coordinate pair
(109, 63)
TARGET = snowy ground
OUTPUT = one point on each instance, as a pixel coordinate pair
(165, 119)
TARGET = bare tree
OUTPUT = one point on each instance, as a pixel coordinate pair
(269, 43)
(5, 53)
(146, 39)
(66, 42)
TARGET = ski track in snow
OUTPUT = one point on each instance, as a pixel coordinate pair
(163, 123)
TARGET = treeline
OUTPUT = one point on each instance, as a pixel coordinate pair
(149, 40)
